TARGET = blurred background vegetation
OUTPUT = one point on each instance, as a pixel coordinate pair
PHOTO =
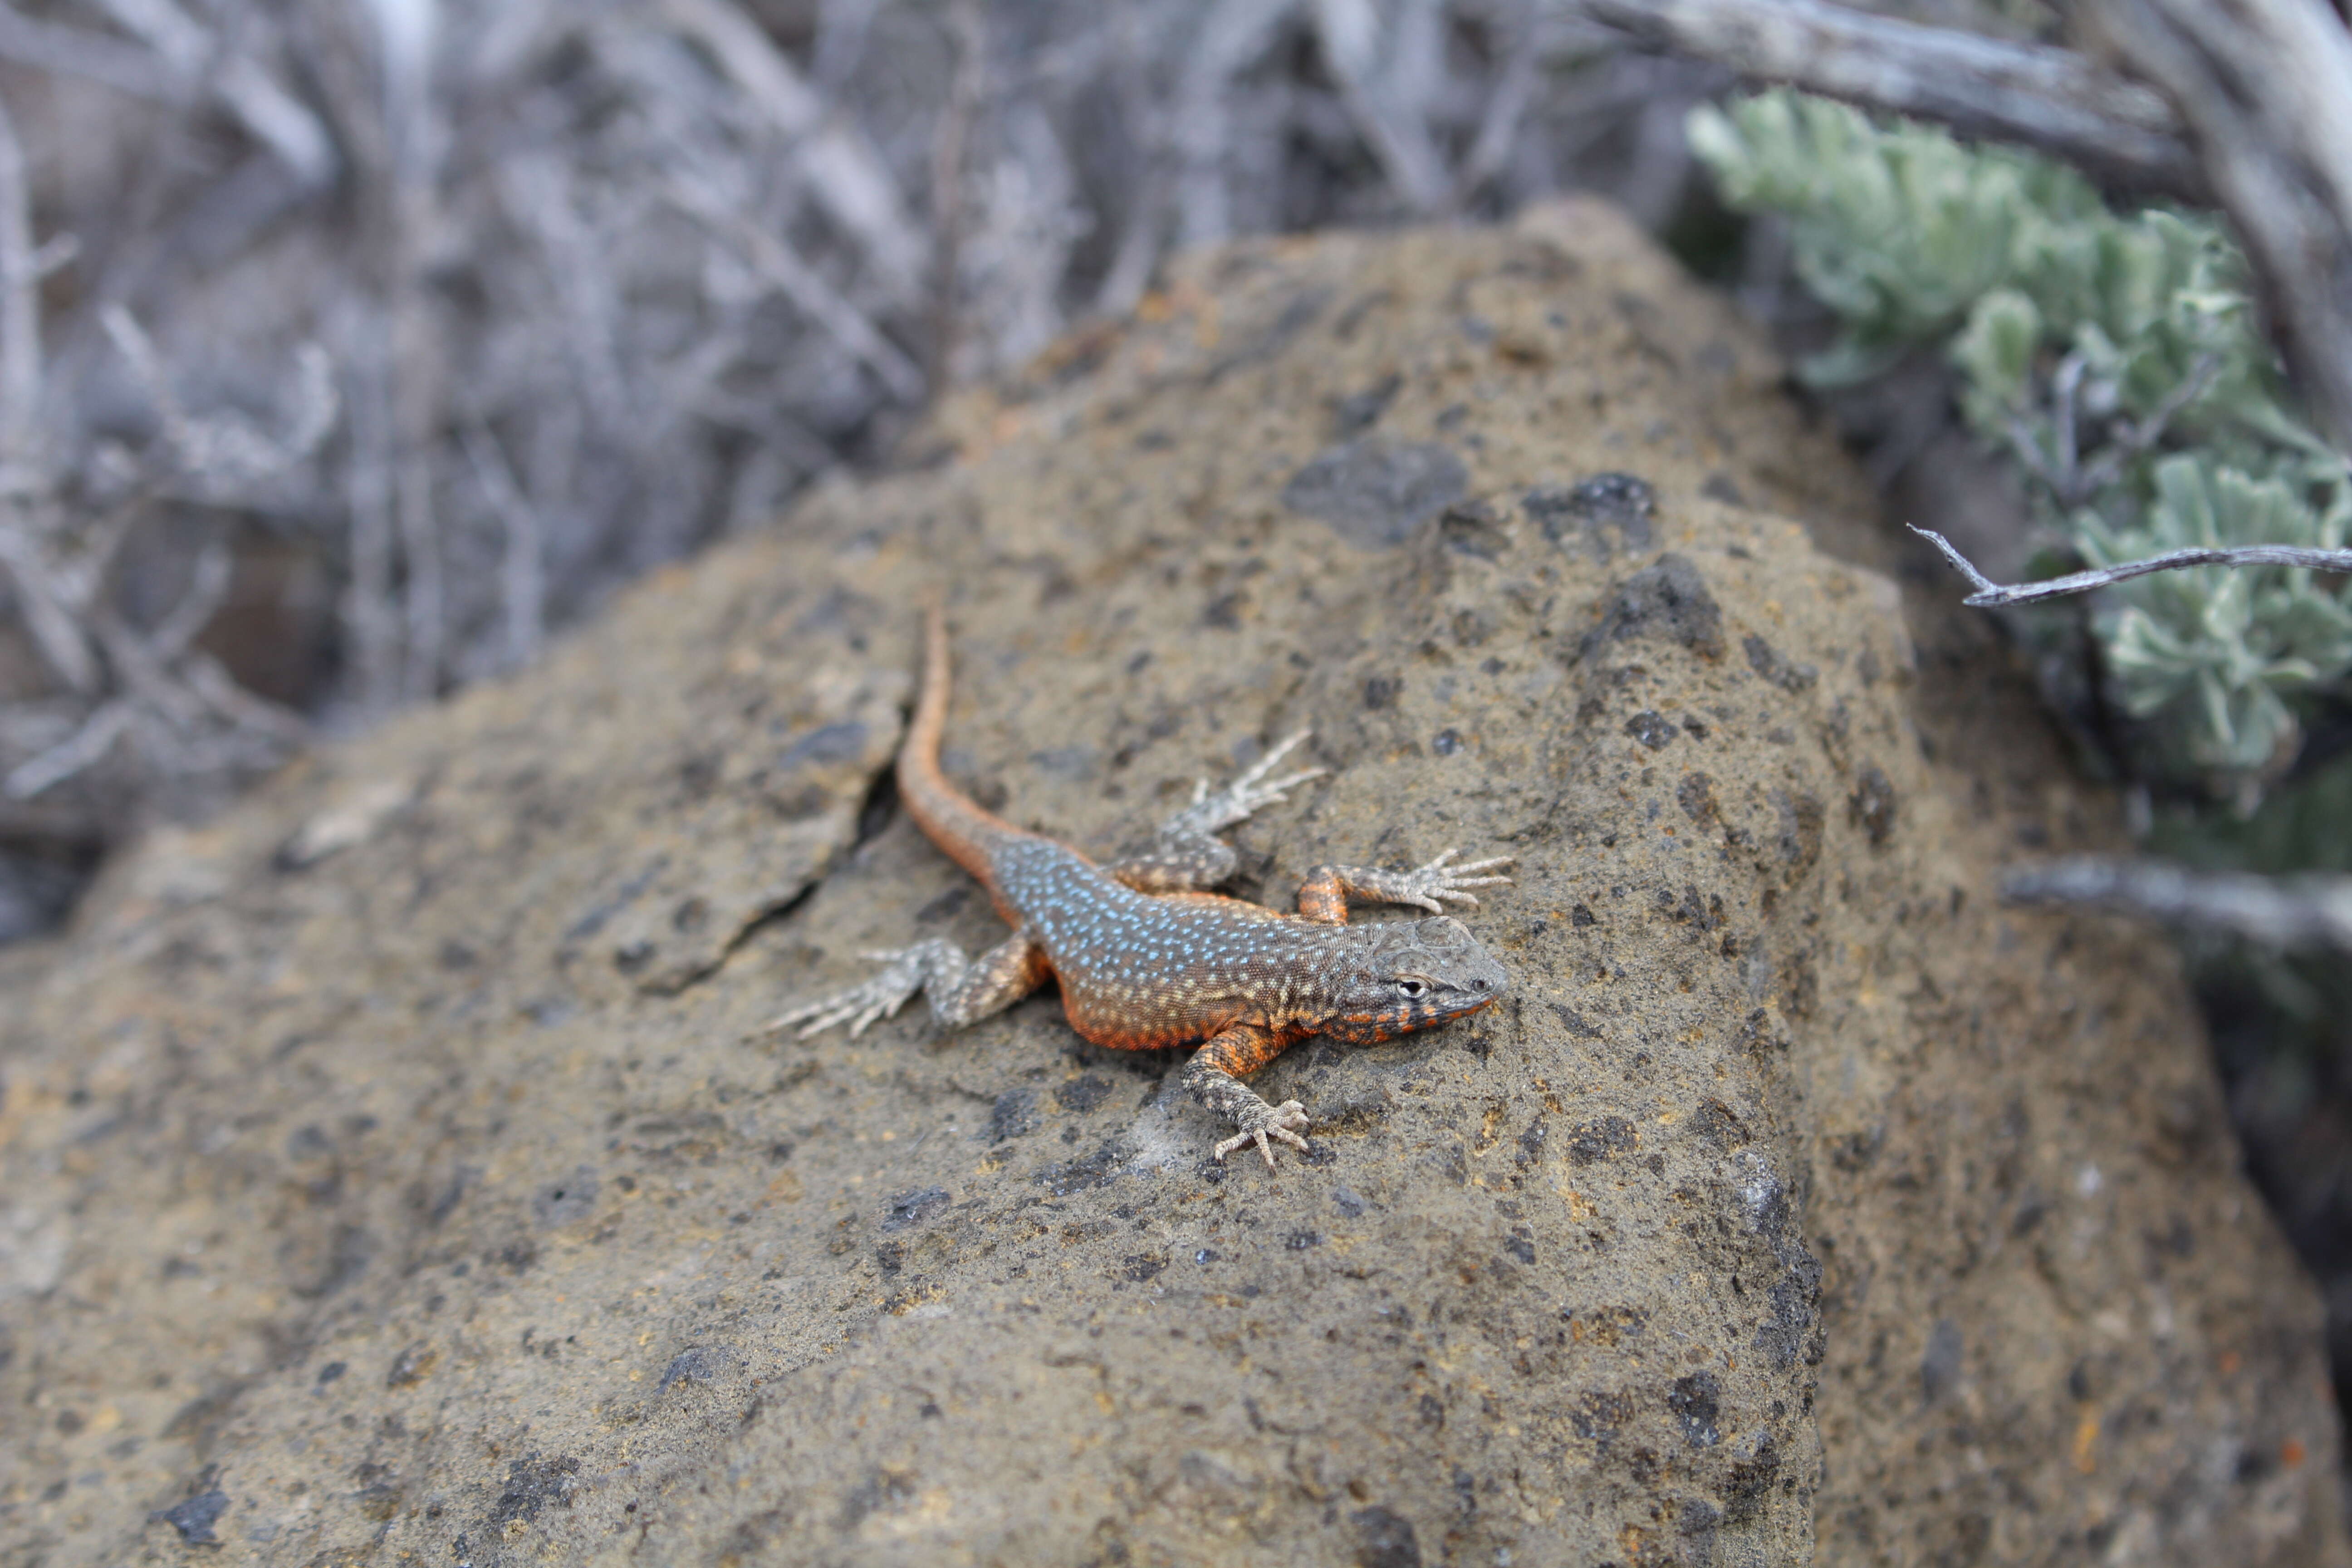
(350, 348)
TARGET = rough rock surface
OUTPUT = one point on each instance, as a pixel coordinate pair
(393, 1171)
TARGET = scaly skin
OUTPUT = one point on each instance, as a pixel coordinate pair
(1146, 958)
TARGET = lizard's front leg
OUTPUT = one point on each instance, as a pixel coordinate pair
(1327, 892)
(1213, 1078)
(960, 990)
(1189, 855)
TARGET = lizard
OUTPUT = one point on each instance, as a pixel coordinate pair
(1147, 956)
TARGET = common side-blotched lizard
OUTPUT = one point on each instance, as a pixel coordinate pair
(1146, 958)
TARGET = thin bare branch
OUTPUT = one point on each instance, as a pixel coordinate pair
(86, 747)
(270, 114)
(222, 457)
(1988, 594)
(20, 308)
(2072, 480)
(92, 56)
(2133, 438)
(522, 580)
(802, 284)
(2047, 98)
(1386, 110)
(368, 611)
(1232, 35)
(535, 190)
(844, 171)
(48, 613)
(2298, 911)
(1499, 126)
(207, 586)
(949, 153)
(267, 728)
(420, 552)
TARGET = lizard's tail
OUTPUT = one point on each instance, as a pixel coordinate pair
(949, 818)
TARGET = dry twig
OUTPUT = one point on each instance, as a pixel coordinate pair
(2072, 480)
(2301, 911)
(2046, 97)
(1388, 97)
(1989, 594)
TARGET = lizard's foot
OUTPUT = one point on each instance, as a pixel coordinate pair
(1438, 884)
(1213, 811)
(1261, 1122)
(902, 976)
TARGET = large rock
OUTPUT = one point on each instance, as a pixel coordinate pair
(395, 1171)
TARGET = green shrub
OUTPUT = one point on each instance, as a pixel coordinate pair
(2116, 357)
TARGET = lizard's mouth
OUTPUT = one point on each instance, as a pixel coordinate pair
(1408, 1014)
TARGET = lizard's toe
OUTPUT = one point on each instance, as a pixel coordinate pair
(1282, 1122)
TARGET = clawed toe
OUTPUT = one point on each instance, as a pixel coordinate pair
(1282, 1122)
(1441, 882)
(859, 1006)
(1213, 810)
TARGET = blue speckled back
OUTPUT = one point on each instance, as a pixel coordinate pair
(1139, 970)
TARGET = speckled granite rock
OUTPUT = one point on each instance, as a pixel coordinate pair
(393, 1171)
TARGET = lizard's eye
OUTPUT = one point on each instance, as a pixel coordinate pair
(1411, 987)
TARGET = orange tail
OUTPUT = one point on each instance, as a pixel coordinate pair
(948, 816)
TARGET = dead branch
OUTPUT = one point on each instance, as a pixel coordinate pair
(1387, 104)
(1988, 594)
(369, 616)
(847, 173)
(269, 114)
(48, 614)
(222, 457)
(92, 56)
(2073, 481)
(1499, 126)
(85, 749)
(2265, 89)
(1232, 35)
(522, 578)
(950, 153)
(801, 283)
(2300, 912)
(20, 310)
(2050, 98)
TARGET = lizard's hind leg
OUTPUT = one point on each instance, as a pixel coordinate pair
(1189, 856)
(960, 990)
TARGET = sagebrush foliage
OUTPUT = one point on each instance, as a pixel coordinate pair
(2115, 356)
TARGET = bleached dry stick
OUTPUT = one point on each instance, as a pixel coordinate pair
(2047, 98)
(950, 142)
(1989, 593)
(2297, 911)
(1498, 125)
(522, 578)
(1387, 111)
(20, 307)
(369, 613)
(84, 749)
(270, 114)
(93, 56)
(844, 171)
(802, 284)
(1232, 34)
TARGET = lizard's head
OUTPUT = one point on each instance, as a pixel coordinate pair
(1404, 976)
